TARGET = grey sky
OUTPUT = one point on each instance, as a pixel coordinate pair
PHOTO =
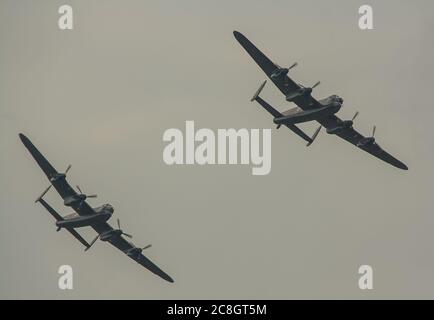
(101, 96)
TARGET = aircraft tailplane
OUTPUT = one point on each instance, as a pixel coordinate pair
(267, 107)
(277, 114)
(58, 217)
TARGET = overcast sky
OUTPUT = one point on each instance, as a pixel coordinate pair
(100, 97)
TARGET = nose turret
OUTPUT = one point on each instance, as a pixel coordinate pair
(337, 99)
(108, 207)
(336, 102)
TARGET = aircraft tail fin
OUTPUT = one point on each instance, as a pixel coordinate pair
(258, 91)
(314, 136)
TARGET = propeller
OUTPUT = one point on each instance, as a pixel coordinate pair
(49, 187)
(82, 197)
(355, 115)
(112, 233)
(119, 228)
(136, 252)
(307, 90)
(368, 140)
(86, 196)
(316, 85)
(293, 65)
(278, 126)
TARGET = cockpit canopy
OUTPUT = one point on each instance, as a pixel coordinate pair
(108, 207)
(333, 100)
(337, 98)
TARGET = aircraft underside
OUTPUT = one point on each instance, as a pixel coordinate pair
(83, 221)
(305, 116)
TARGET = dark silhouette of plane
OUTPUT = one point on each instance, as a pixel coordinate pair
(85, 215)
(308, 108)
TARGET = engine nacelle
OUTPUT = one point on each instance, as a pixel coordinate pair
(57, 176)
(344, 125)
(72, 200)
(106, 236)
(134, 252)
(279, 73)
(300, 92)
(334, 130)
(366, 142)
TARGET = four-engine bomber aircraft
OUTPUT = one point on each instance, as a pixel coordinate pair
(308, 108)
(85, 215)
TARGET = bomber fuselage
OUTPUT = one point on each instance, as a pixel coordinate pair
(329, 106)
(101, 214)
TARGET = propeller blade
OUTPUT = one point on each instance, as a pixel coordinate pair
(293, 66)
(91, 244)
(278, 126)
(78, 187)
(373, 131)
(80, 205)
(148, 246)
(92, 196)
(119, 228)
(67, 169)
(355, 115)
(316, 84)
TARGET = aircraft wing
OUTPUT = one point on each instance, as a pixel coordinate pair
(124, 245)
(285, 84)
(353, 137)
(61, 185)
